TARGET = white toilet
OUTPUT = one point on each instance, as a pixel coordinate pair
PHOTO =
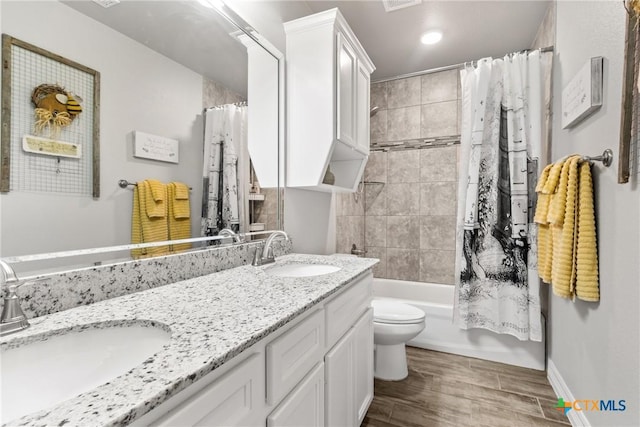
(394, 323)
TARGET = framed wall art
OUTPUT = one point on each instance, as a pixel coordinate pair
(50, 137)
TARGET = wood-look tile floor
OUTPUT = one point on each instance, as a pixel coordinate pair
(455, 391)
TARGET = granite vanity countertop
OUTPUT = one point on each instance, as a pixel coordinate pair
(212, 319)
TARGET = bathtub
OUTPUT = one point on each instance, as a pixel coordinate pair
(441, 334)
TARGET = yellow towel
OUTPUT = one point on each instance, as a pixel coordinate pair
(149, 218)
(155, 198)
(181, 207)
(587, 287)
(567, 249)
(544, 234)
(182, 191)
(179, 215)
(563, 226)
(547, 193)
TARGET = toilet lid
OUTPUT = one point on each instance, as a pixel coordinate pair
(395, 312)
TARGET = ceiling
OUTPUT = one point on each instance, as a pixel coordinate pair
(196, 37)
(471, 30)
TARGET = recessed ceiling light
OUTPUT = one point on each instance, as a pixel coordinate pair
(431, 37)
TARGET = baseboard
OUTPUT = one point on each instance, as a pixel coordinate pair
(576, 418)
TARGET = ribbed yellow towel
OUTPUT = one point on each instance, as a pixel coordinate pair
(563, 225)
(587, 285)
(179, 215)
(155, 198)
(567, 247)
(544, 234)
(182, 191)
(149, 226)
(547, 189)
(181, 207)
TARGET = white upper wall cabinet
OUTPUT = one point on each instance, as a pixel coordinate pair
(328, 75)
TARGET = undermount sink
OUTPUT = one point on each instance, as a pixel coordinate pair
(301, 270)
(43, 373)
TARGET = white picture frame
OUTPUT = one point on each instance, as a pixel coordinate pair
(583, 95)
(154, 147)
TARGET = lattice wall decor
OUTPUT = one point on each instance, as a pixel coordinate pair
(63, 160)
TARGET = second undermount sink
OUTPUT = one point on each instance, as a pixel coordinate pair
(301, 270)
(46, 372)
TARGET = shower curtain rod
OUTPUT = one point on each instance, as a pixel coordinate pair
(448, 67)
(237, 104)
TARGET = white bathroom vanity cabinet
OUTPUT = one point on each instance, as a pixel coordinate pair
(317, 370)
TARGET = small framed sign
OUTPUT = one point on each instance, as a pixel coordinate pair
(147, 146)
(583, 95)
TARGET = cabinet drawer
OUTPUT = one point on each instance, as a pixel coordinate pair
(292, 355)
(344, 310)
(235, 399)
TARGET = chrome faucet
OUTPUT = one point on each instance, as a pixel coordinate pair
(12, 318)
(230, 233)
(265, 255)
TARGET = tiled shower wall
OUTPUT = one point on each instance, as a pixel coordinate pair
(406, 213)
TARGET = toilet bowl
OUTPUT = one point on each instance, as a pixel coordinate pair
(394, 323)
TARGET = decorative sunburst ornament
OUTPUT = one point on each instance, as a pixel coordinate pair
(55, 108)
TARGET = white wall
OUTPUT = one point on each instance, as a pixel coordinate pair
(595, 347)
(310, 220)
(140, 90)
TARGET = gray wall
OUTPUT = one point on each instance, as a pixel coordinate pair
(595, 346)
(407, 219)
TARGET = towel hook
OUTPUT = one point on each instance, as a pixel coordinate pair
(606, 158)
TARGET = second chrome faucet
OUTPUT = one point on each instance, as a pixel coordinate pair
(265, 255)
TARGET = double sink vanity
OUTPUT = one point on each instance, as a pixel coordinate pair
(285, 344)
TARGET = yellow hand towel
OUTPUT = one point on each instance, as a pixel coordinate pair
(155, 198)
(545, 252)
(180, 200)
(545, 242)
(563, 267)
(179, 216)
(547, 189)
(587, 287)
(148, 227)
(542, 205)
(182, 191)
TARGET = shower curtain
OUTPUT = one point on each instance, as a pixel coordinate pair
(225, 142)
(497, 286)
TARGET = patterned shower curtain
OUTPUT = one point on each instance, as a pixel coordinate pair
(497, 286)
(224, 140)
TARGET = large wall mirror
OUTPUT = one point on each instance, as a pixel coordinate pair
(190, 71)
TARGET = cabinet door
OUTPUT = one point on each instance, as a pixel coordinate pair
(339, 383)
(363, 357)
(345, 92)
(362, 108)
(236, 399)
(304, 406)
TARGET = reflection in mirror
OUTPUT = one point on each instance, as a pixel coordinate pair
(175, 70)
